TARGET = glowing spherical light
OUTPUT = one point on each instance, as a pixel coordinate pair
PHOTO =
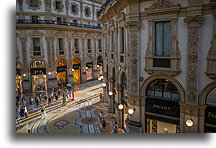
(104, 84)
(120, 106)
(189, 122)
(97, 65)
(102, 77)
(72, 69)
(24, 75)
(110, 93)
(131, 111)
(49, 73)
(86, 67)
(99, 78)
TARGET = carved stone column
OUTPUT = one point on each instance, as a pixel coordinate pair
(24, 52)
(194, 24)
(133, 121)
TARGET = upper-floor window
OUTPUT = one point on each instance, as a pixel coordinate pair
(99, 45)
(89, 44)
(122, 40)
(61, 46)
(35, 19)
(76, 45)
(87, 11)
(59, 20)
(58, 5)
(36, 47)
(112, 41)
(74, 9)
(162, 39)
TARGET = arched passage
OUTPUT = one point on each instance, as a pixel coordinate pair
(61, 72)
(100, 66)
(19, 86)
(89, 68)
(38, 76)
(162, 110)
(76, 71)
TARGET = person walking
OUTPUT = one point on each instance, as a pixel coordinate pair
(103, 123)
(49, 100)
(56, 97)
(59, 92)
(37, 101)
(25, 111)
(101, 98)
(17, 114)
(22, 112)
(63, 100)
(43, 111)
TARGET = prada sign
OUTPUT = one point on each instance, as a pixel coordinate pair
(210, 115)
(168, 108)
(38, 71)
(61, 68)
(76, 66)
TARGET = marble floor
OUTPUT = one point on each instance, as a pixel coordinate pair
(78, 116)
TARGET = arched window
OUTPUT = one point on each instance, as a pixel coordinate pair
(211, 98)
(162, 89)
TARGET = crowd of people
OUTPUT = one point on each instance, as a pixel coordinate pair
(41, 100)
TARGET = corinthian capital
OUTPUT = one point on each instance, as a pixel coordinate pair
(133, 24)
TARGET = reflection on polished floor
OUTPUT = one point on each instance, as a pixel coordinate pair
(78, 116)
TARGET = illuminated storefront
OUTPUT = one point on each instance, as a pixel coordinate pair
(76, 71)
(19, 87)
(210, 112)
(61, 72)
(162, 107)
(100, 66)
(124, 112)
(38, 76)
(89, 69)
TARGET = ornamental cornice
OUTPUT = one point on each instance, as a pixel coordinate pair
(36, 4)
(192, 110)
(162, 5)
(194, 20)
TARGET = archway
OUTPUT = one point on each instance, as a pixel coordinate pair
(61, 72)
(162, 110)
(210, 112)
(76, 71)
(19, 86)
(89, 69)
(100, 66)
(38, 76)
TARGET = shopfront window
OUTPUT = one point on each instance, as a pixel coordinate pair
(162, 107)
(210, 112)
(100, 66)
(61, 72)
(38, 75)
(76, 71)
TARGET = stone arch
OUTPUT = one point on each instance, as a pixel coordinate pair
(29, 65)
(205, 91)
(167, 77)
(121, 72)
(18, 62)
(60, 59)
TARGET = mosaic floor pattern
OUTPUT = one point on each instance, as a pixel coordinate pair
(79, 116)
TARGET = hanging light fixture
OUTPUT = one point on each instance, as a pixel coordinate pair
(72, 69)
(24, 75)
(189, 122)
(120, 106)
(110, 93)
(49, 73)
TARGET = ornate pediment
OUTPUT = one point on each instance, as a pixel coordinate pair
(34, 4)
(161, 4)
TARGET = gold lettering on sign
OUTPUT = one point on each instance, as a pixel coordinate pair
(211, 115)
(162, 107)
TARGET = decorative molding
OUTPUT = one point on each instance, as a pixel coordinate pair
(161, 4)
(47, 5)
(192, 110)
(36, 4)
(133, 24)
